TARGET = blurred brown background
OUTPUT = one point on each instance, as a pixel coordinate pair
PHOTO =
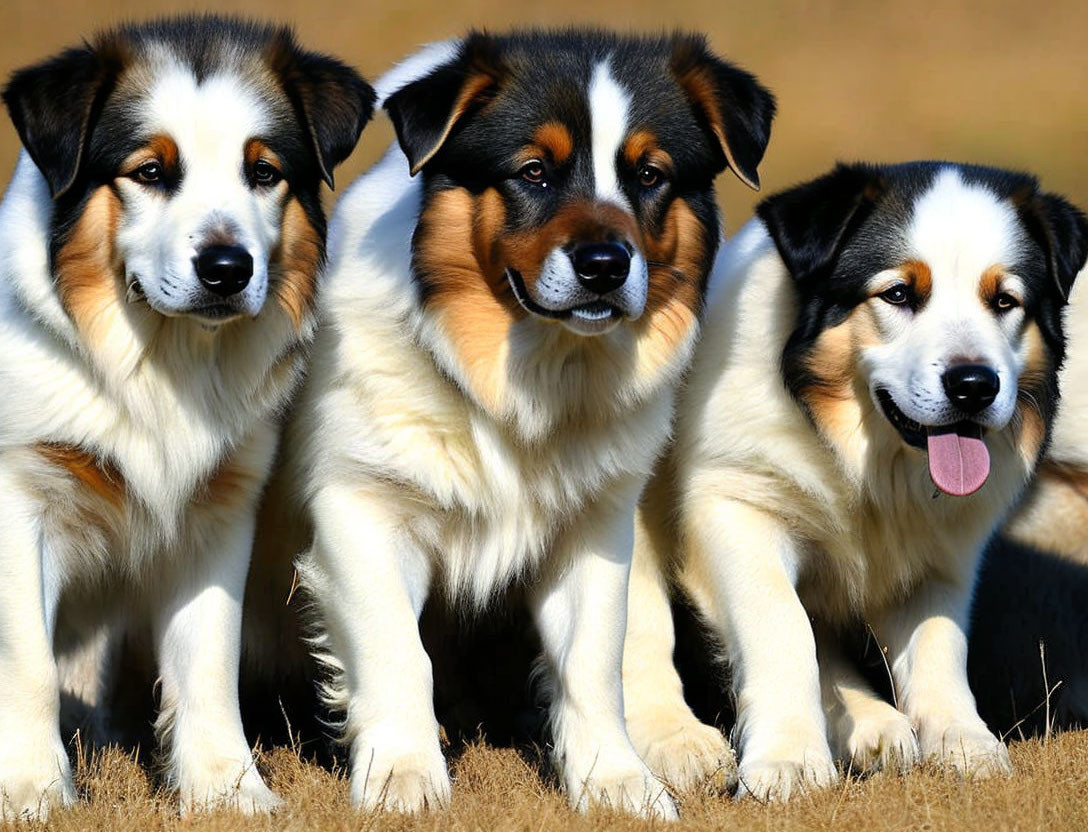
(999, 83)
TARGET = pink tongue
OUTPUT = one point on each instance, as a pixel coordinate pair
(959, 461)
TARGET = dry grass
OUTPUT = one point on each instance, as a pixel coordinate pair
(500, 789)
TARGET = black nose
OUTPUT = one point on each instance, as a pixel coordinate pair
(971, 387)
(601, 267)
(225, 270)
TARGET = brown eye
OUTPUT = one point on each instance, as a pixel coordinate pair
(1004, 302)
(648, 176)
(897, 295)
(265, 173)
(533, 172)
(148, 173)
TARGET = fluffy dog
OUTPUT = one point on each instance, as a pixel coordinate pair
(513, 293)
(162, 235)
(875, 384)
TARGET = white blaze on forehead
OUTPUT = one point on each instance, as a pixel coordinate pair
(960, 230)
(210, 121)
(609, 104)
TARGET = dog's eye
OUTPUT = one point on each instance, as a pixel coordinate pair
(897, 295)
(265, 173)
(533, 172)
(149, 173)
(1004, 302)
(648, 176)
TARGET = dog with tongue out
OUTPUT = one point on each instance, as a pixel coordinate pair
(874, 333)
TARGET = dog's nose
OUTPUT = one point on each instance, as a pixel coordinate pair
(224, 270)
(601, 267)
(971, 387)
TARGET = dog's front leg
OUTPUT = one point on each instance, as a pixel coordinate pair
(35, 774)
(927, 641)
(580, 607)
(678, 748)
(741, 567)
(370, 580)
(197, 634)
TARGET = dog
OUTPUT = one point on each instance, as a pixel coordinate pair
(163, 234)
(875, 383)
(1028, 663)
(513, 292)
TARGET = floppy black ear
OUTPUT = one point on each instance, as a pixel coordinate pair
(810, 223)
(1062, 230)
(54, 106)
(735, 107)
(331, 100)
(425, 111)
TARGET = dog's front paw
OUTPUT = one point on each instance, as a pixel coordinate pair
(786, 769)
(633, 790)
(879, 739)
(412, 782)
(968, 749)
(684, 752)
(35, 778)
(226, 783)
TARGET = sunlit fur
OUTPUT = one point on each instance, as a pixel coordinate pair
(790, 508)
(136, 432)
(449, 437)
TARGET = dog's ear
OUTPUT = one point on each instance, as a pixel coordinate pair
(810, 223)
(425, 111)
(735, 108)
(331, 100)
(54, 106)
(1062, 231)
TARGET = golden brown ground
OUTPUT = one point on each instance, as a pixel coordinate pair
(501, 789)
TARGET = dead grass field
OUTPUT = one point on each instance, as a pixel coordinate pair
(501, 789)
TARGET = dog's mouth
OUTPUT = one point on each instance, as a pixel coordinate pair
(959, 461)
(590, 318)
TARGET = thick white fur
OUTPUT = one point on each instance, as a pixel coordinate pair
(1069, 441)
(166, 401)
(416, 483)
(766, 524)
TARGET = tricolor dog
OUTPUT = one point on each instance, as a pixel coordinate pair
(161, 236)
(514, 291)
(875, 384)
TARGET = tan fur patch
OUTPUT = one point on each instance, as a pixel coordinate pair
(832, 397)
(256, 150)
(87, 272)
(160, 148)
(677, 260)
(1038, 368)
(466, 286)
(642, 146)
(990, 284)
(554, 139)
(98, 476)
(1054, 518)
(297, 261)
(919, 277)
